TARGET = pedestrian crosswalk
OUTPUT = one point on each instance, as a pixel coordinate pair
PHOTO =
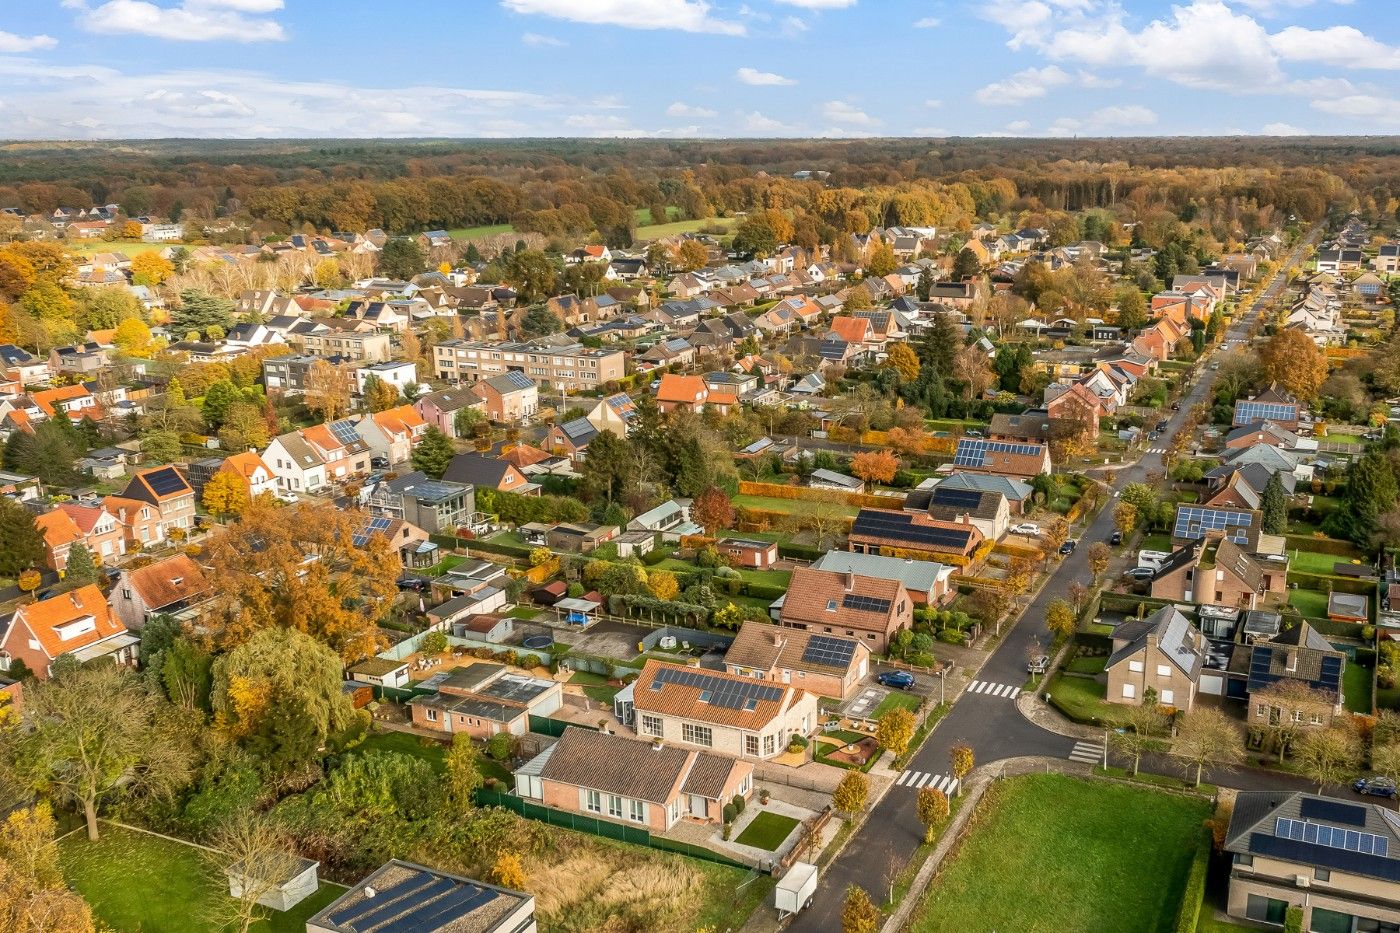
(995, 690)
(921, 779)
(1087, 752)
(1155, 450)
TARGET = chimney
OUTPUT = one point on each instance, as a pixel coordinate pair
(850, 580)
(74, 597)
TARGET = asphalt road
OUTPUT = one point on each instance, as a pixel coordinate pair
(991, 724)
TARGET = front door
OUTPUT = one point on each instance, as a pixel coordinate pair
(699, 807)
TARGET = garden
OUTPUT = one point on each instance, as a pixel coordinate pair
(767, 831)
(1051, 853)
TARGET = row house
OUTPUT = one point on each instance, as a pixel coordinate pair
(77, 623)
(309, 459)
(440, 409)
(392, 433)
(558, 362)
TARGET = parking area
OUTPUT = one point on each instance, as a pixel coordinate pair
(863, 704)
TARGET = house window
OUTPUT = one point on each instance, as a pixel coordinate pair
(594, 801)
(637, 811)
(1322, 874)
(1262, 709)
(1129, 691)
(751, 745)
(614, 806)
(126, 592)
(1297, 715)
(1135, 666)
(697, 735)
(1167, 697)
(1164, 670)
(1316, 719)
(432, 715)
(1265, 909)
(770, 744)
(651, 725)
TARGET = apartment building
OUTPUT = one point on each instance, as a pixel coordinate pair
(554, 363)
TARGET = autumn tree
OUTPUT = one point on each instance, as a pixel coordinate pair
(225, 494)
(663, 584)
(904, 361)
(1143, 721)
(150, 268)
(933, 810)
(851, 793)
(132, 337)
(895, 730)
(279, 696)
(961, 760)
(433, 453)
(36, 897)
(1099, 556)
(859, 913)
(1074, 431)
(1059, 618)
(1292, 360)
(380, 395)
(462, 773)
(882, 260)
(875, 466)
(691, 255)
(1328, 756)
(326, 391)
(1208, 736)
(973, 369)
(1125, 518)
(509, 871)
(300, 568)
(254, 856)
(94, 732)
(712, 510)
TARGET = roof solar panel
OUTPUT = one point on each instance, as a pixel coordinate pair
(344, 431)
(165, 480)
(722, 692)
(1194, 522)
(519, 379)
(1333, 811)
(440, 913)
(901, 527)
(865, 603)
(958, 498)
(1246, 412)
(424, 885)
(828, 651)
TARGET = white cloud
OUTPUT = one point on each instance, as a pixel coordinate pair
(1109, 118)
(762, 78)
(535, 38)
(9, 42)
(1283, 129)
(820, 4)
(1022, 86)
(839, 111)
(933, 103)
(1369, 107)
(684, 15)
(187, 21)
(929, 131)
(1089, 79)
(758, 123)
(1344, 46)
(679, 109)
(793, 26)
(1272, 7)
(1018, 126)
(928, 22)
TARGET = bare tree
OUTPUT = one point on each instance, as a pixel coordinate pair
(1385, 761)
(327, 390)
(1285, 699)
(824, 516)
(254, 858)
(1328, 756)
(1142, 722)
(1208, 736)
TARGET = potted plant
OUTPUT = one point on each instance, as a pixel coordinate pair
(763, 795)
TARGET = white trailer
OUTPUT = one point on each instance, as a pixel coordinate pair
(795, 889)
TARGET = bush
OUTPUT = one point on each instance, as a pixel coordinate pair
(763, 590)
(738, 803)
(797, 742)
(1189, 916)
(951, 636)
(433, 643)
(499, 746)
(729, 814)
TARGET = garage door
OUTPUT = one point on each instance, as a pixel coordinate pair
(1212, 684)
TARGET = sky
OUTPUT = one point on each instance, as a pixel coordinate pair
(103, 69)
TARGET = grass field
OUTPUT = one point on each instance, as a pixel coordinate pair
(791, 506)
(767, 831)
(894, 700)
(1082, 698)
(1313, 562)
(434, 753)
(126, 247)
(595, 686)
(139, 883)
(657, 231)
(1311, 603)
(1051, 853)
(1356, 686)
(476, 233)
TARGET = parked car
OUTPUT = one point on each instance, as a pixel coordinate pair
(1176, 406)
(411, 582)
(1038, 665)
(900, 680)
(1375, 787)
(973, 432)
(1026, 528)
(1161, 426)
(1116, 538)
(1371, 436)
(1140, 573)
(379, 463)
(1067, 547)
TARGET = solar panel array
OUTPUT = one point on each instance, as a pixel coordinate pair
(828, 651)
(901, 527)
(973, 452)
(865, 603)
(165, 481)
(1265, 411)
(718, 691)
(1194, 522)
(361, 537)
(1334, 811)
(419, 905)
(1334, 837)
(958, 498)
(1358, 863)
(519, 380)
(344, 431)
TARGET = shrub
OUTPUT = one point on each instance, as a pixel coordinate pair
(499, 746)
(797, 743)
(433, 643)
(738, 803)
(951, 636)
(729, 814)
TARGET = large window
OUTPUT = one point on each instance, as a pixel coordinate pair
(594, 801)
(697, 735)
(1265, 909)
(614, 805)
(638, 811)
(770, 744)
(751, 745)
(651, 725)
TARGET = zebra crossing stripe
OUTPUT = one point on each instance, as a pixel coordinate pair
(903, 777)
(923, 780)
(1086, 752)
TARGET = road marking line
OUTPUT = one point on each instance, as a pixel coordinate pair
(904, 777)
(923, 780)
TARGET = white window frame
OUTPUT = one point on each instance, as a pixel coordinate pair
(652, 725)
(593, 801)
(1135, 666)
(1164, 670)
(697, 734)
(1129, 691)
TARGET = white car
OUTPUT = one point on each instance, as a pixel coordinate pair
(1030, 529)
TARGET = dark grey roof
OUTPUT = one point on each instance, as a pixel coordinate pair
(1183, 556)
(402, 897)
(1174, 639)
(579, 431)
(1303, 828)
(1013, 489)
(477, 470)
(420, 486)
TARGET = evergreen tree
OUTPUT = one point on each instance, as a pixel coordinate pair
(200, 311)
(966, 265)
(81, 568)
(21, 543)
(1275, 507)
(473, 254)
(1371, 490)
(217, 400)
(433, 453)
(924, 287)
(401, 258)
(48, 453)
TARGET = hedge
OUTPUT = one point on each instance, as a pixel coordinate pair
(1189, 916)
(799, 552)
(497, 547)
(780, 491)
(1322, 545)
(763, 590)
(1318, 582)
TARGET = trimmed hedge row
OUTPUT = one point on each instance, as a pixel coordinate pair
(1318, 582)
(1322, 545)
(496, 547)
(763, 590)
(799, 552)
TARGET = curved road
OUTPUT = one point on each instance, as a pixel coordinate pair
(992, 725)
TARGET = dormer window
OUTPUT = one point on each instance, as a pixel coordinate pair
(75, 628)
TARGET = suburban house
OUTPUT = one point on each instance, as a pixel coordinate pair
(870, 609)
(571, 438)
(249, 469)
(165, 587)
(436, 506)
(597, 774)
(1297, 656)
(77, 623)
(692, 392)
(1021, 460)
(1163, 653)
(392, 433)
(488, 473)
(1220, 573)
(1017, 492)
(915, 535)
(483, 699)
(1272, 404)
(827, 665)
(71, 523)
(614, 414)
(401, 896)
(670, 519)
(926, 582)
(1032, 425)
(157, 501)
(1338, 861)
(440, 409)
(737, 716)
(509, 398)
(986, 509)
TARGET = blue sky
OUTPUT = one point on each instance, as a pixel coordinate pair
(696, 68)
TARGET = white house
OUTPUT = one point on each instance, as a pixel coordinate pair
(400, 374)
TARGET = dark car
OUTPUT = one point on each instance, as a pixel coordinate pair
(1116, 538)
(1067, 547)
(379, 463)
(1140, 573)
(1176, 406)
(1161, 425)
(901, 680)
(418, 584)
(1375, 787)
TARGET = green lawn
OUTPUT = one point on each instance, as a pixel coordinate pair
(1313, 562)
(476, 233)
(139, 883)
(657, 231)
(893, 700)
(1091, 665)
(405, 743)
(791, 506)
(766, 577)
(1082, 699)
(767, 831)
(125, 247)
(595, 686)
(1156, 543)
(1052, 853)
(1310, 603)
(1356, 685)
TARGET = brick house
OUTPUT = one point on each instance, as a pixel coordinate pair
(440, 409)
(393, 432)
(596, 774)
(78, 623)
(1021, 460)
(691, 392)
(156, 501)
(826, 665)
(1299, 657)
(485, 699)
(1163, 653)
(737, 716)
(167, 586)
(70, 523)
(1219, 573)
(869, 609)
(914, 534)
(510, 397)
(759, 555)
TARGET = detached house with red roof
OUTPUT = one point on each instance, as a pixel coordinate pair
(75, 401)
(392, 433)
(72, 523)
(692, 392)
(155, 502)
(77, 623)
(250, 469)
(165, 587)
